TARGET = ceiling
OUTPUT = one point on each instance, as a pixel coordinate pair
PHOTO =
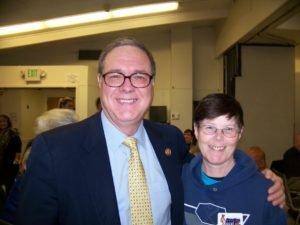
(31, 10)
(283, 29)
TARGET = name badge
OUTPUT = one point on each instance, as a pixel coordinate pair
(232, 218)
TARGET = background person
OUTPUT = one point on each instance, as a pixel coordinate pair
(259, 156)
(222, 185)
(47, 121)
(10, 150)
(191, 141)
(66, 103)
(291, 159)
(55, 118)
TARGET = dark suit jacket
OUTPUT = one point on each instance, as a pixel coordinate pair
(69, 179)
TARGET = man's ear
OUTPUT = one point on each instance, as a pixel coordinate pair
(99, 79)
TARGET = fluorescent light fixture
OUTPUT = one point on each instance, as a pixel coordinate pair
(77, 19)
(144, 9)
(20, 28)
(89, 17)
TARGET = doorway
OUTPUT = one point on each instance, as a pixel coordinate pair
(24, 105)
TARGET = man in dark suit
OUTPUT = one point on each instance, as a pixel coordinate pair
(291, 159)
(77, 174)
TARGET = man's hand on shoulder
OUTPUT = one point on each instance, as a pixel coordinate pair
(276, 191)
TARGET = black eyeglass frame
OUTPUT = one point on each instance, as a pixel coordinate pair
(128, 77)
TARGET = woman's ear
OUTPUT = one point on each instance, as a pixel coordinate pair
(240, 134)
(196, 131)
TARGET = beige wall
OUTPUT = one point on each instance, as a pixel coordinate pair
(24, 101)
(56, 77)
(247, 18)
(187, 69)
(297, 90)
(266, 92)
(181, 105)
(207, 68)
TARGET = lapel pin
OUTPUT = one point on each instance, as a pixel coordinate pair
(168, 152)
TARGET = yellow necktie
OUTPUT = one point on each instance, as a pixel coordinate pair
(140, 206)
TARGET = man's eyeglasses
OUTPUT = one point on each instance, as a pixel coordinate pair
(230, 132)
(117, 79)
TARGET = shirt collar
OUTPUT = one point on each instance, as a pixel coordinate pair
(114, 137)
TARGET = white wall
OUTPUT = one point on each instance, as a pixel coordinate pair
(266, 92)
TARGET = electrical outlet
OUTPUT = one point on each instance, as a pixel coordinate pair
(175, 115)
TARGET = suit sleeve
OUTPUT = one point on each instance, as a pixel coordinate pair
(274, 215)
(38, 198)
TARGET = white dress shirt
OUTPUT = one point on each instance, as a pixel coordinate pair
(119, 156)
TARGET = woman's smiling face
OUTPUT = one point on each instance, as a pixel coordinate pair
(217, 148)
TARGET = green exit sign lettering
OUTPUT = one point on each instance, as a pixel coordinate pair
(32, 75)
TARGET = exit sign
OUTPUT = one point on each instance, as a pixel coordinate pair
(33, 75)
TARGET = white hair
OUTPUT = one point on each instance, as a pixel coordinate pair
(55, 118)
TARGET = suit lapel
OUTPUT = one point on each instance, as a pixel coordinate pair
(98, 174)
(165, 148)
(160, 146)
